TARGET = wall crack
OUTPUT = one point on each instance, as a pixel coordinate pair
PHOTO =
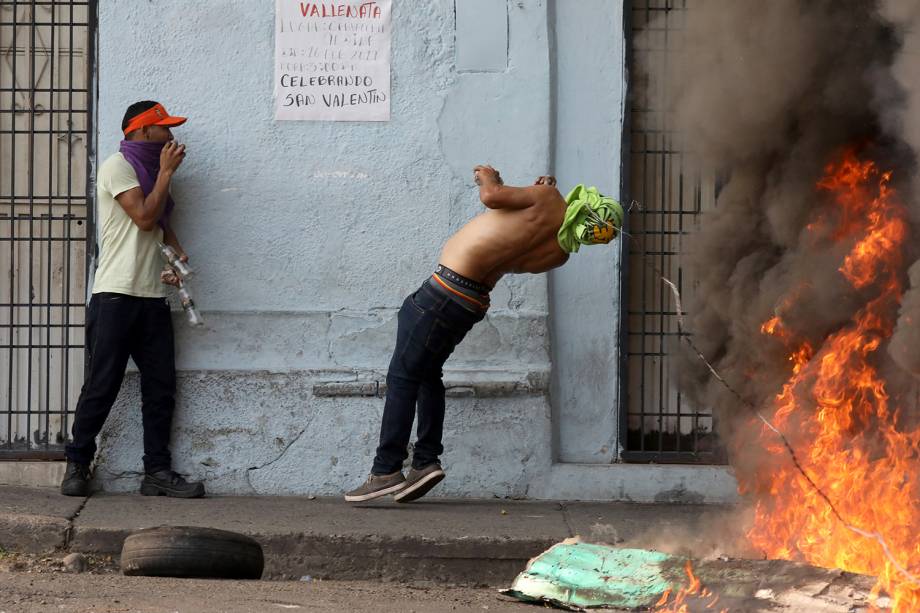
(276, 459)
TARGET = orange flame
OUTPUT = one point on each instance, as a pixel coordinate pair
(836, 407)
(773, 326)
(693, 590)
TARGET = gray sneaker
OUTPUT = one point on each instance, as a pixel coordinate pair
(377, 486)
(419, 482)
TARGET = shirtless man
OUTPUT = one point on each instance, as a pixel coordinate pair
(517, 235)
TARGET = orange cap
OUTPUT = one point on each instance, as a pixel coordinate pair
(154, 116)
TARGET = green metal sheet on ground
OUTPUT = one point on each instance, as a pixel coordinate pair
(577, 576)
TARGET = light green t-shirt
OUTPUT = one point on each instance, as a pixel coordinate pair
(129, 261)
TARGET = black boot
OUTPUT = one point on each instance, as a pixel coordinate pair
(76, 480)
(169, 483)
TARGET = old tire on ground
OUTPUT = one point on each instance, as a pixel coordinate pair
(191, 552)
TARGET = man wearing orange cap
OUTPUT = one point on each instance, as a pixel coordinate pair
(128, 315)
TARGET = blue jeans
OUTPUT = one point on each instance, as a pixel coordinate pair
(430, 326)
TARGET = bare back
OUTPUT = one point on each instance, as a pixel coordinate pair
(510, 240)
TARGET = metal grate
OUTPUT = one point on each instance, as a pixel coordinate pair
(660, 424)
(46, 106)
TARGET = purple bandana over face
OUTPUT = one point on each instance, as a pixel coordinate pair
(144, 157)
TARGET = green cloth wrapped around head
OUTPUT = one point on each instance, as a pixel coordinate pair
(590, 219)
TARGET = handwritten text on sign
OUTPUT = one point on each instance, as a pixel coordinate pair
(332, 61)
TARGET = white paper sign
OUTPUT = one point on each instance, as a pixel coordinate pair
(332, 60)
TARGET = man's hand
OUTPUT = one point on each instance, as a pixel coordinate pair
(485, 175)
(171, 156)
(546, 180)
(145, 210)
(496, 195)
(169, 277)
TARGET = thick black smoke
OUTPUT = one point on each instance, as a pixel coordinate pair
(902, 116)
(767, 93)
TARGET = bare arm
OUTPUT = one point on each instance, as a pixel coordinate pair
(169, 275)
(146, 211)
(496, 195)
(170, 238)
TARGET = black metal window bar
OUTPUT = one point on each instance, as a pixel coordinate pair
(46, 108)
(660, 424)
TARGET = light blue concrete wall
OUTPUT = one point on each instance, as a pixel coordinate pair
(589, 87)
(307, 236)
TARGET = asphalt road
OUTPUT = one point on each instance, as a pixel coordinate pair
(23, 592)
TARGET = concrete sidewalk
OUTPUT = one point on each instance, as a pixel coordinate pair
(436, 539)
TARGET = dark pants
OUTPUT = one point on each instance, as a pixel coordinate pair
(119, 326)
(430, 326)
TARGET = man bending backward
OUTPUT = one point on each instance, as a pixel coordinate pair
(526, 230)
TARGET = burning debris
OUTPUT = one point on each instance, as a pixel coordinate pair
(806, 275)
(577, 576)
(856, 445)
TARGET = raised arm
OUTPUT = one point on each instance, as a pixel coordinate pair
(146, 211)
(496, 195)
